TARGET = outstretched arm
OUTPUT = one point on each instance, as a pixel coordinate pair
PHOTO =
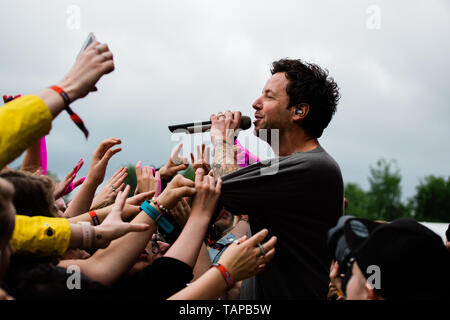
(203, 205)
(130, 210)
(241, 260)
(26, 119)
(83, 199)
(122, 253)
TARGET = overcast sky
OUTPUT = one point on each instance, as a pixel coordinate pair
(180, 61)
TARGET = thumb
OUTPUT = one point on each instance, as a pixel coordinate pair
(180, 181)
(109, 154)
(184, 192)
(181, 166)
(145, 195)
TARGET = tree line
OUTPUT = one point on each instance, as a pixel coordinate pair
(382, 201)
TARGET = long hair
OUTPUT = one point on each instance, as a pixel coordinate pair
(33, 194)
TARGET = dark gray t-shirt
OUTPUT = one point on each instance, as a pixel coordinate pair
(298, 198)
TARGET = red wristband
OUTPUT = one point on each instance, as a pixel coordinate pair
(75, 118)
(63, 94)
(225, 274)
(244, 217)
(94, 217)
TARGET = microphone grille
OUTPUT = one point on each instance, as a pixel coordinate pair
(246, 123)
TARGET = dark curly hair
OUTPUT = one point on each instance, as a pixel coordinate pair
(308, 83)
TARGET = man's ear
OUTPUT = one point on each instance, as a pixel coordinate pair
(300, 111)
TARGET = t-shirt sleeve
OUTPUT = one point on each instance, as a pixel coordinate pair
(264, 186)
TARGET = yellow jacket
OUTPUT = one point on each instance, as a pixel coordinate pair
(22, 122)
(42, 236)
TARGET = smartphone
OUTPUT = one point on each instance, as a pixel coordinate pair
(90, 38)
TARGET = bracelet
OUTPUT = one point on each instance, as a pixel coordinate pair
(226, 275)
(94, 217)
(73, 116)
(157, 217)
(244, 217)
(88, 235)
(155, 202)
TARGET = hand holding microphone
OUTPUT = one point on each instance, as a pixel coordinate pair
(243, 122)
(224, 126)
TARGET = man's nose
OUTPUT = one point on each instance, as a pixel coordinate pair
(257, 104)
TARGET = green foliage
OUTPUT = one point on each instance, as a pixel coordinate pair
(358, 200)
(385, 192)
(131, 178)
(432, 200)
(383, 200)
(189, 173)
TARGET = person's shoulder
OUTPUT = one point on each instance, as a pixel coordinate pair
(317, 155)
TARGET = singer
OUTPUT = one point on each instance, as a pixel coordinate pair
(305, 198)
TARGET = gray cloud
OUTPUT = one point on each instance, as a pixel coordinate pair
(178, 61)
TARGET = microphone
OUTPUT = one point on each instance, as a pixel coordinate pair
(194, 127)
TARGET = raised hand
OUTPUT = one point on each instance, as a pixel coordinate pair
(100, 159)
(113, 226)
(147, 179)
(67, 185)
(174, 164)
(181, 212)
(139, 198)
(202, 160)
(245, 259)
(177, 188)
(112, 187)
(90, 66)
(224, 126)
(207, 193)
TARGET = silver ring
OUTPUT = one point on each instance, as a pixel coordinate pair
(114, 188)
(263, 252)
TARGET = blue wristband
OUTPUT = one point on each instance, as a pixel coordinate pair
(157, 217)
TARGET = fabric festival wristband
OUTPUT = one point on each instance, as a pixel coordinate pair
(88, 237)
(94, 218)
(73, 116)
(225, 274)
(157, 217)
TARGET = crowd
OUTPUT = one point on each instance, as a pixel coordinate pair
(232, 233)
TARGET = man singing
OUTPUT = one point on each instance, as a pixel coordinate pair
(298, 195)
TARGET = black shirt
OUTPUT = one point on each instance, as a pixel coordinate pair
(298, 198)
